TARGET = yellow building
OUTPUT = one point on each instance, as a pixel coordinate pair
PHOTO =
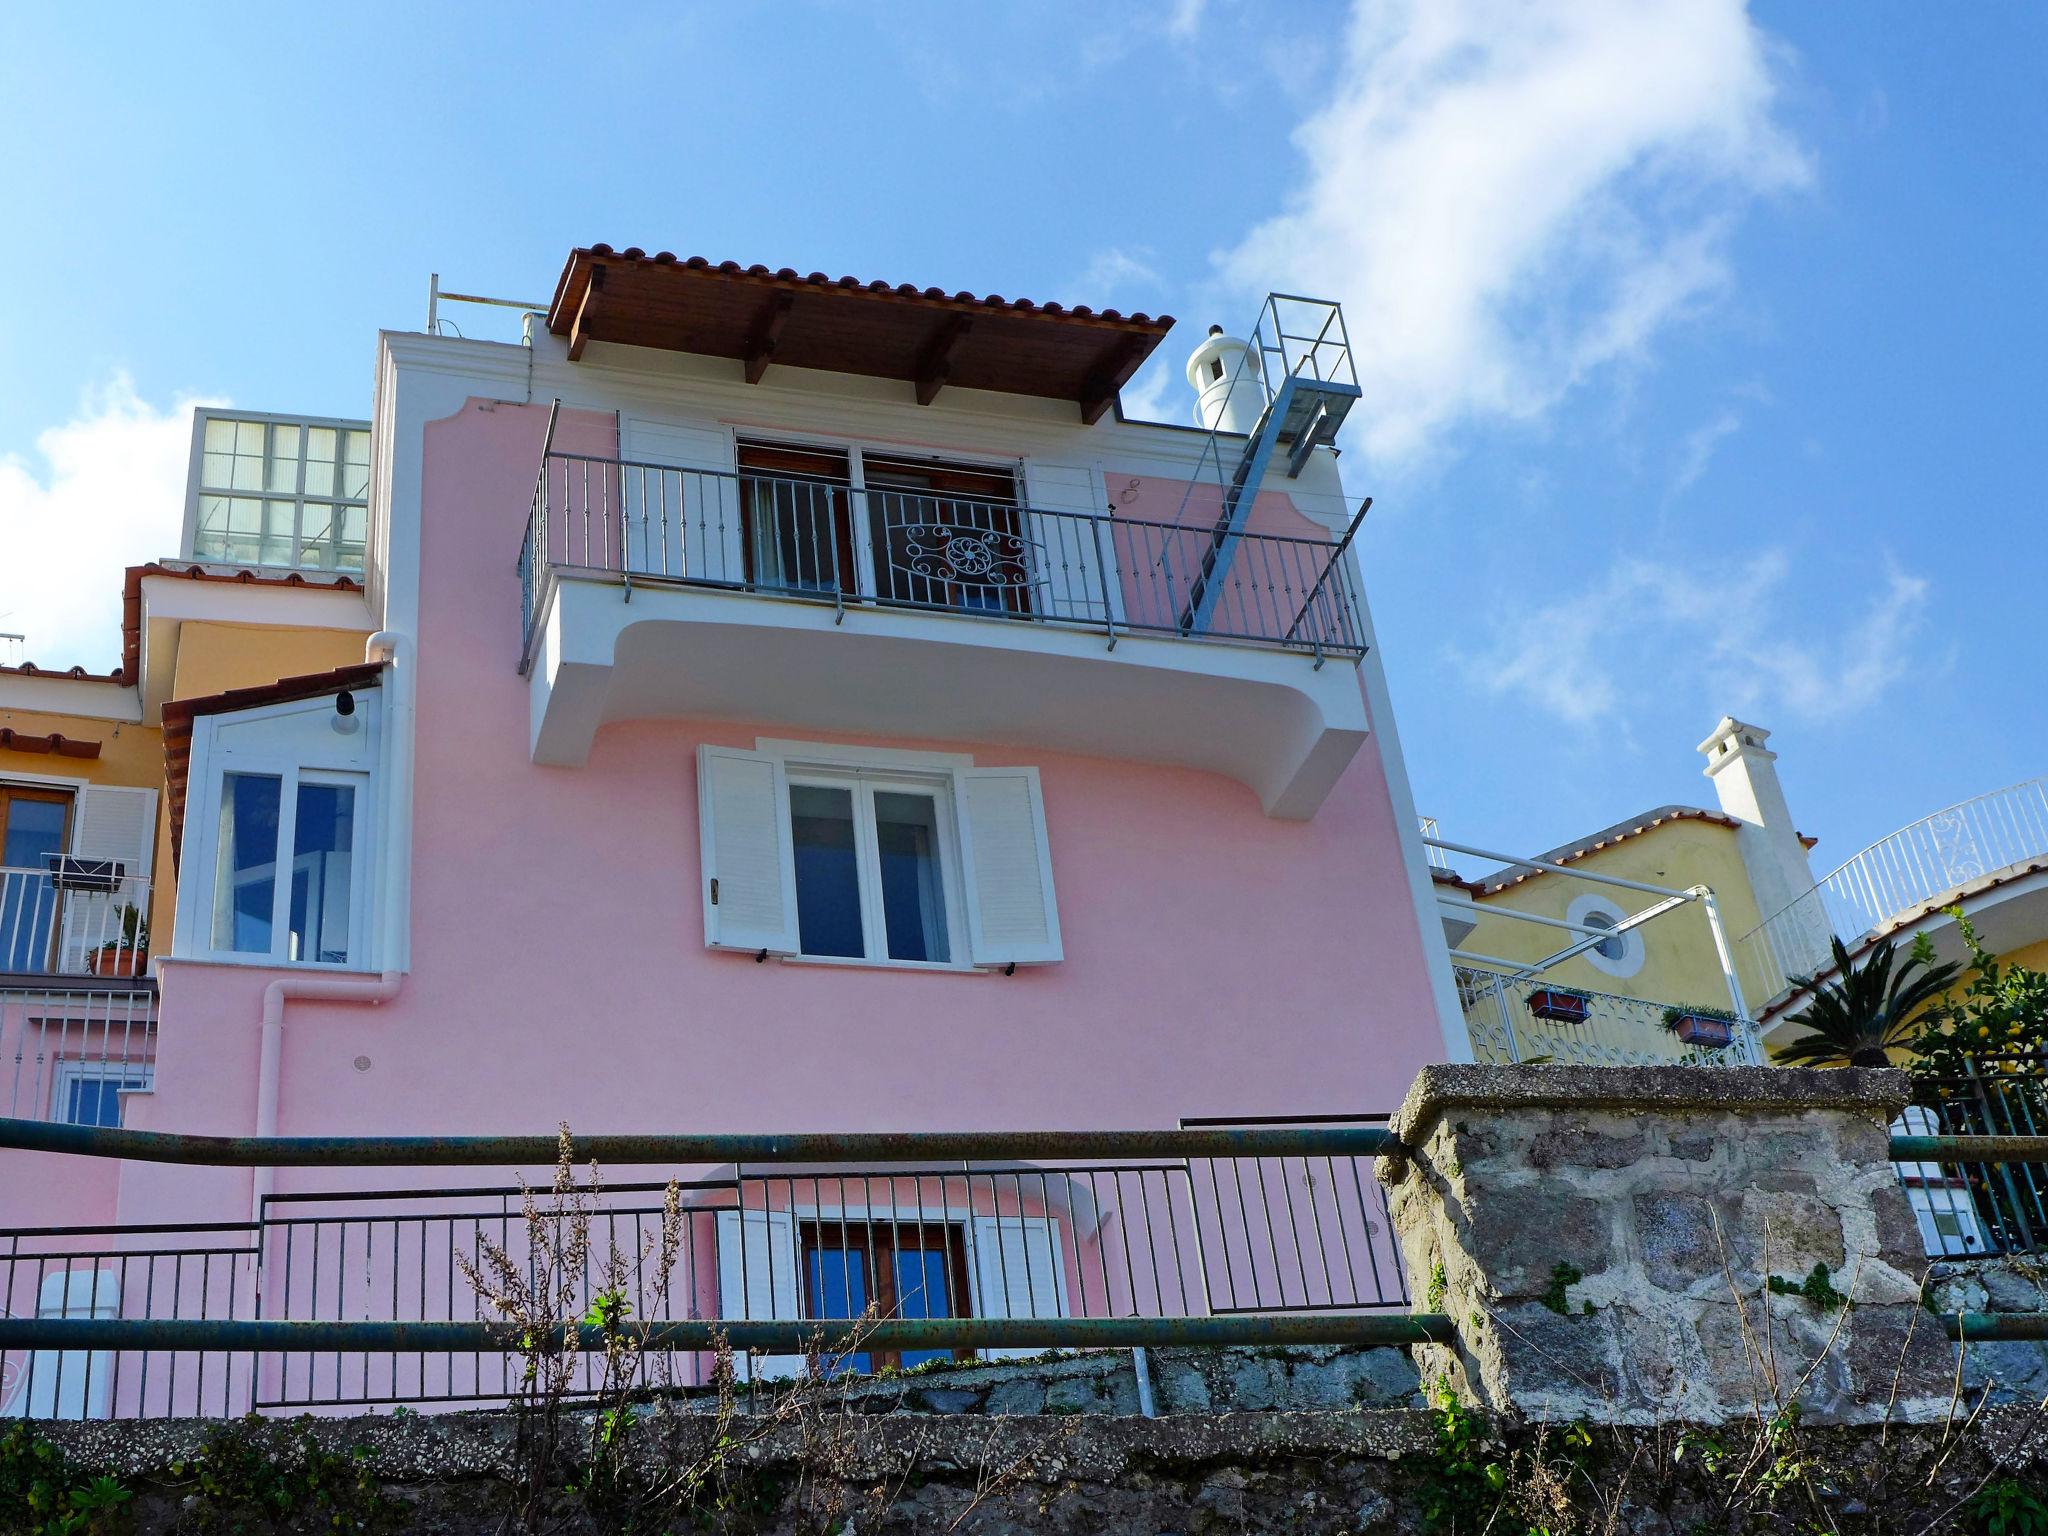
(84, 843)
(1529, 938)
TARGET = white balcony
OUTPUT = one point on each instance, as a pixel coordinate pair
(654, 592)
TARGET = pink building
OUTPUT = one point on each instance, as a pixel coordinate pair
(796, 705)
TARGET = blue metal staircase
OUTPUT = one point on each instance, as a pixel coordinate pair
(1299, 360)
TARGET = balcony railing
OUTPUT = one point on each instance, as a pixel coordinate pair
(930, 1245)
(72, 1053)
(827, 541)
(74, 917)
(1914, 866)
(1526, 1018)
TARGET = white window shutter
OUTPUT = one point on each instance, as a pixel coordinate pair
(1017, 1272)
(113, 821)
(1076, 557)
(71, 1383)
(757, 1279)
(116, 823)
(749, 869)
(1012, 916)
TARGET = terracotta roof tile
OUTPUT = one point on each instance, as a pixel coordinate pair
(56, 742)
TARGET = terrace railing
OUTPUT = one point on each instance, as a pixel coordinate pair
(1526, 1018)
(1969, 1206)
(73, 917)
(882, 1250)
(831, 542)
(72, 1052)
(1916, 865)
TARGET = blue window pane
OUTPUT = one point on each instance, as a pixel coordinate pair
(322, 840)
(33, 836)
(94, 1101)
(839, 1288)
(921, 1291)
(913, 897)
(245, 867)
(827, 871)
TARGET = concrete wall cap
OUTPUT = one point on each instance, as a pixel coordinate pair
(1879, 1093)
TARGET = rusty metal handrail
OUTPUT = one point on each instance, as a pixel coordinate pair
(801, 1147)
(1970, 1149)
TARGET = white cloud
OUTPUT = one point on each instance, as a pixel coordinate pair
(1507, 197)
(1184, 19)
(107, 492)
(1698, 450)
(1721, 637)
(1115, 270)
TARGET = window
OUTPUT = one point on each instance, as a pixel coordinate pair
(305, 917)
(797, 534)
(871, 870)
(947, 535)
(34, 832)
(89, 1092)
(904, 1269)
(279, 492)
(892, 858)
(1619, 956)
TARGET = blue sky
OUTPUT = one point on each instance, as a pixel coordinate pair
(1705, 349)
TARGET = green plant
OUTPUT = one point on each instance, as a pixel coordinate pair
(263, 1475)
(1866, 1011)
(1818, 1287)
(1562, 1277)
(43, 1494)
(2006, 1507)
(1439, 1283)
(2000, 1014)
(1678, 1013)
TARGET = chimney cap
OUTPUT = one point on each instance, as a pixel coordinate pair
(1215, 330)
(1733, 735)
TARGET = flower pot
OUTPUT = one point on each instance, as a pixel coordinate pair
(1565, 1007)
(1703, 1030)
(117, 962)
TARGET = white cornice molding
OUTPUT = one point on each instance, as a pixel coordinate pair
(90, 698)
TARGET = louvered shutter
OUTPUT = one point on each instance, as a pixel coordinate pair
(679, 500)
(70, 1383)
(1012, 916)
(1073, 557)
(749, 869)
(1017, 1272)
(115, 824)
(757, 1279)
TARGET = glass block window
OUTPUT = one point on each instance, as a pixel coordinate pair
(284, 493)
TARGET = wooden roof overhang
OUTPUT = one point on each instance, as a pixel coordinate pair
(923, 336)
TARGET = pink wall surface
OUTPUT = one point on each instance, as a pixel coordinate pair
(1218, 962)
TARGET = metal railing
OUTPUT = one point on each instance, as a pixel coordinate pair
(73, 1054)
(74, 917)
(827, 541)
(1525, 1018)
(1970, 1205)
(1914, 866)
(924, 1246)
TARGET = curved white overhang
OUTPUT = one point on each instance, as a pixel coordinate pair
(1271, 719)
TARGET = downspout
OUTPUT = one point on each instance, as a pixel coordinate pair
(392, 648)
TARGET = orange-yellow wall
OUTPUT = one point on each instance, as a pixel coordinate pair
(213, 658)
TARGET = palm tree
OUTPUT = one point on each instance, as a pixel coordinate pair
(1854, 1020)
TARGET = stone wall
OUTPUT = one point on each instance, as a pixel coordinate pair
(2006, 1370)
(1318, 1474)
(1614, 1244)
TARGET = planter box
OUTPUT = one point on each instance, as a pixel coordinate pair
(118, 962)
(1565, 1007)
(1703, 1029)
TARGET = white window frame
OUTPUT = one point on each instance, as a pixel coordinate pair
(864, 782)
(298, 495)
(1633, 949)
(132, 1076)
(210, 764)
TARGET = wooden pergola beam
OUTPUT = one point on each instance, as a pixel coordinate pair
(586, 313)
(936, 364)
(767, 332)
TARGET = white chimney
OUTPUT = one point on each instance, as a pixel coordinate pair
(1213, 368)
(1746, 782)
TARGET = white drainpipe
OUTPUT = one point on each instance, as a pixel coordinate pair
(388, 646)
